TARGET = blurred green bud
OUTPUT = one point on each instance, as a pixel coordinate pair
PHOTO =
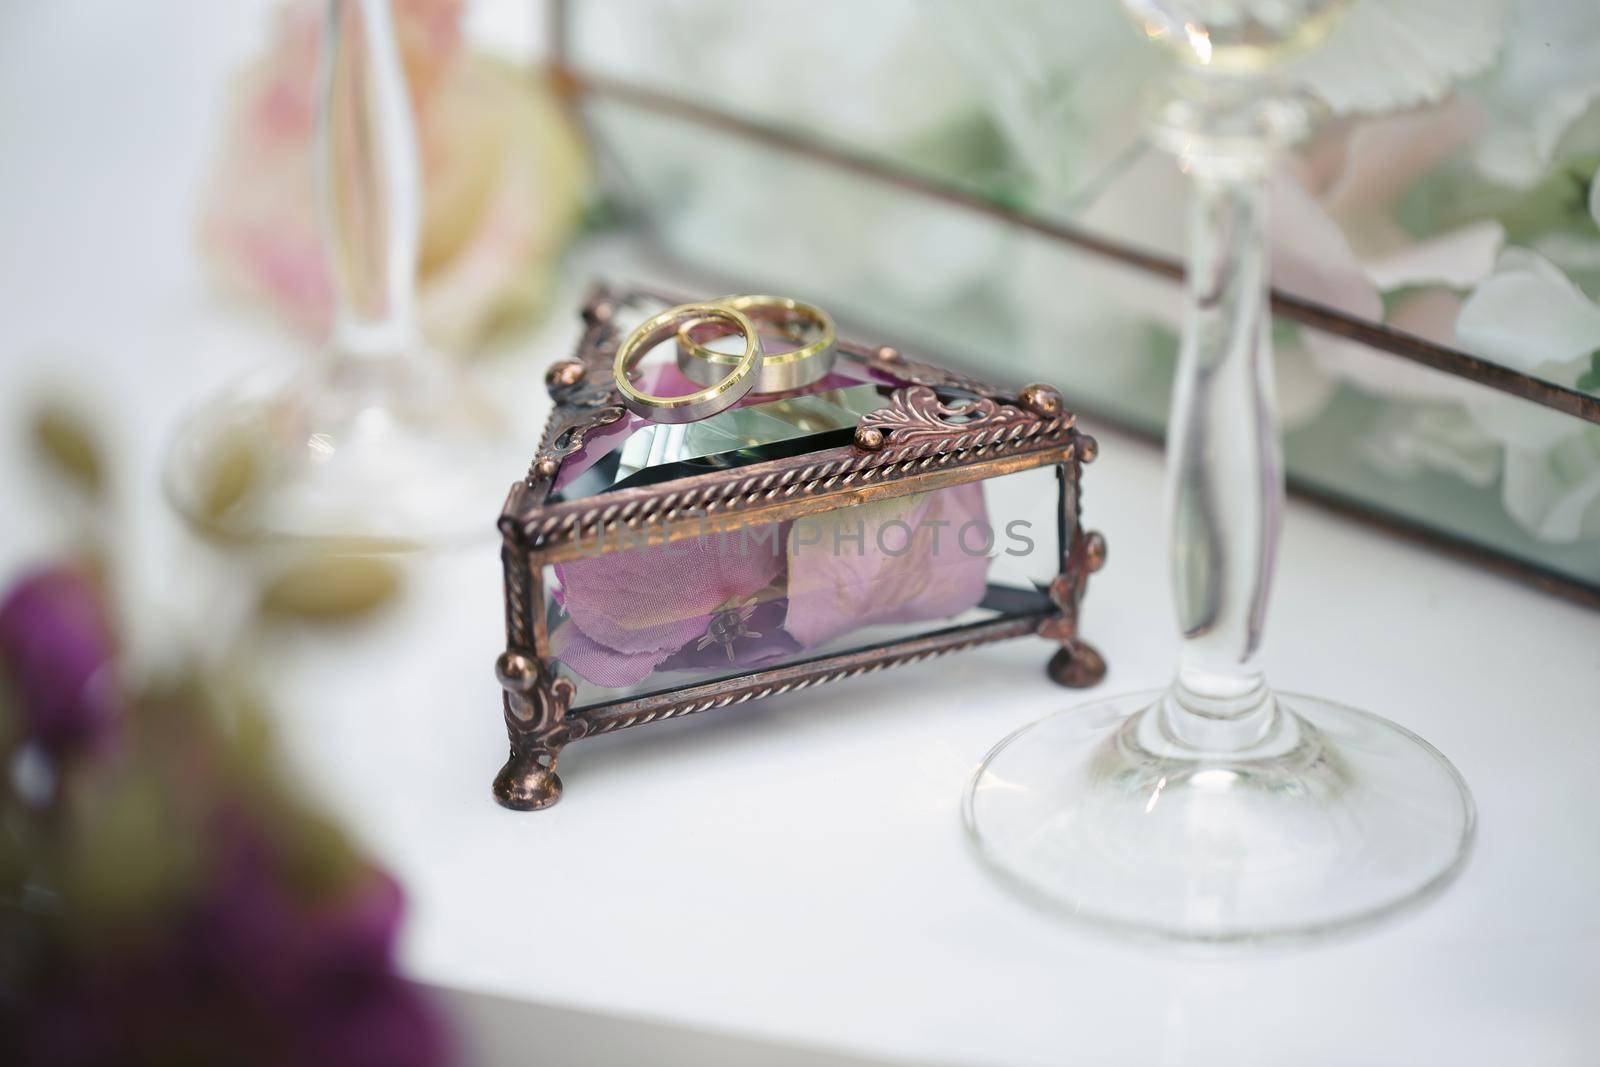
(66, 441)
(230, 477)
(331, 588)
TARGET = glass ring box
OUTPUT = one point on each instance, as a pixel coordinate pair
(888, 513)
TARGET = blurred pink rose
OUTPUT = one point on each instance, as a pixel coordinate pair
(503, 170)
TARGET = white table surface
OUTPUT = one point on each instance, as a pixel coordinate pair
(792, 871)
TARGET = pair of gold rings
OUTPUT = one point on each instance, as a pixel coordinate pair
(728, 377)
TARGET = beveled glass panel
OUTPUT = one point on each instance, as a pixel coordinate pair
(655, 617)
(765, 427)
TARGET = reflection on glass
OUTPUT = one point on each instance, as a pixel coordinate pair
(1056, 134)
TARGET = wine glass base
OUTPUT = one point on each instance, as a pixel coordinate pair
(1339, 820)
(391, 456)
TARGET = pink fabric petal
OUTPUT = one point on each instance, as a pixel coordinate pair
(656, 598)
(837, 584)
(594, 662)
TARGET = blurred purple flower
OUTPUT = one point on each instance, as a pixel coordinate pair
(56, 652)
(254, 974)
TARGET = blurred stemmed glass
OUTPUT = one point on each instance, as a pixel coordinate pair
(1218, 810)
(378, 445)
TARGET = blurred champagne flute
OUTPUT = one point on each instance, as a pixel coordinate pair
(379, 444)
(1219, 810)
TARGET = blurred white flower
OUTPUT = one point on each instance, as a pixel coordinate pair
(1547, 77)
(1555, 493)
(1529, 316)
(1335, 242)
(1409, 440)
(1145, 206)
(1361, 169)
(863, 73)
(1063, 81)
(1384, 55)
(1344, 247)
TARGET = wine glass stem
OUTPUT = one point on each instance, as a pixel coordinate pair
(1225, 476)
(368, 182)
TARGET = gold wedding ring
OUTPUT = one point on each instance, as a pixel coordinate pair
(793, 320)
(733, 380)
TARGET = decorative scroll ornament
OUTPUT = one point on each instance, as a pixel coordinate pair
(1086, 556)
(915, 414)
(582, 404)
(538, 697)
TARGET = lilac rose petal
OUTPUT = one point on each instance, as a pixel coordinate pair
(654, 599)
(893, 573)
(596, 663)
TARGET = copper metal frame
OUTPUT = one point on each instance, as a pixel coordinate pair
(578, 84)
(914, 444)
